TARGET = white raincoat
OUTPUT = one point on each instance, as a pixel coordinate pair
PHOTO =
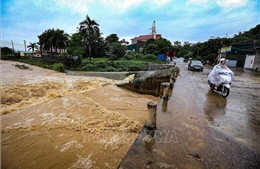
(220, 74)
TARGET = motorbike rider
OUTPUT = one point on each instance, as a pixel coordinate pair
(214, 76)
(222, 63)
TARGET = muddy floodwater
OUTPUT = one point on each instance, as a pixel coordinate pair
(53, 120)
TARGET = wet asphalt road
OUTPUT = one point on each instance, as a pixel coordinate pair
(198, 128)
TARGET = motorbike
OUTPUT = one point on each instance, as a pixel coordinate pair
(225, 82)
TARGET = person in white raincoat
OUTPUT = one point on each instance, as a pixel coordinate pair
(215, 77)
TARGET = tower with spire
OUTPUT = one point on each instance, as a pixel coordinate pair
(154, 30)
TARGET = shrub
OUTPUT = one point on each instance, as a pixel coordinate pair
(63, 54)
(133, 56)
(10, 56)
(116, 51)
(78, 61)
(123, 66)
(101, 65)
(150, 58)
(137, 67)
(110, 69)
(58, 67)
(88, 67)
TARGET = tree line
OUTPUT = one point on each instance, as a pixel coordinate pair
(88, 42)
(208, 51)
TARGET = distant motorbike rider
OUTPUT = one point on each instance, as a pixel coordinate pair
(214, 76)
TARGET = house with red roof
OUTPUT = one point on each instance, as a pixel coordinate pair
(145, 38)
(137, 43)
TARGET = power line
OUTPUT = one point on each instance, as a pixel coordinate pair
(9, 42)
(4, 33)
(238, 20)
(226, 30)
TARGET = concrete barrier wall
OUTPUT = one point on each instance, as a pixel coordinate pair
(160, 66)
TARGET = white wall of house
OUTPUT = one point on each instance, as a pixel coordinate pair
(249, 62)
(134, 41)
(231, 63)
(256, 65)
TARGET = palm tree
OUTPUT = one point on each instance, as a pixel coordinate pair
(90, 31)
(61, 39)
(44, 40)
(32, 46)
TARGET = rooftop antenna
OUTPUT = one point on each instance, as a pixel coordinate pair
(153, 30)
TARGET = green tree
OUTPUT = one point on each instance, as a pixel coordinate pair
(90, 32)
(100, 47)
(185, 50)
(6, 50)
(112, 38)
(123, 41)
(53, 39)
(61, 40)
(157, 46)
(177, 43)
(116, 51)
(255, 32)
(45, 40)
(164, 45)
(151, 48)
(75, 45)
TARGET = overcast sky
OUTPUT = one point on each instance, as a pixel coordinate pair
(176, 20)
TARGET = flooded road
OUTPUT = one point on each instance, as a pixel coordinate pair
(199, 129)
(232, 124)
(238, 115)
(53, 120)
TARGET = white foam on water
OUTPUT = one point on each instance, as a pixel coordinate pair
(26, 123)
(29, 121)
(47, 115)
(82, 162)
(18, 124)
(115, 99)
(112, 142)
(67, 145)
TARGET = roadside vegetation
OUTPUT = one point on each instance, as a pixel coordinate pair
(87, 50)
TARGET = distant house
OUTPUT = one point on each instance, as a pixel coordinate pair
(26, 53)
(40, 54)
(248, 52)
(36, 53)
(256, 65)
(137, 43)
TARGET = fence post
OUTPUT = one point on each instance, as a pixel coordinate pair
(165, 86)
(151, 118)
(172, 80)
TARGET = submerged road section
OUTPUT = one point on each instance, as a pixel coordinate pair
(198, 128)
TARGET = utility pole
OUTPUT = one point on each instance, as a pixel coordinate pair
(12, 45)
(24, 45)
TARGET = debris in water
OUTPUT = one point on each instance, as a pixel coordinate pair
(23, 67)
(195, 156)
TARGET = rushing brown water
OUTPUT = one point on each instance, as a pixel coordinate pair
(52, 120)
